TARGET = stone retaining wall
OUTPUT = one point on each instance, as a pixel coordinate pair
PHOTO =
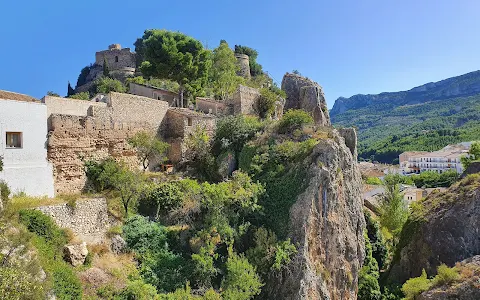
(89, 217)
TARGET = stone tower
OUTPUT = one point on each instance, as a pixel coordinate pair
(117, 58)
(121, 62)
(244, 62)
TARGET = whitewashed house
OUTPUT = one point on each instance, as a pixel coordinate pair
(23, 140)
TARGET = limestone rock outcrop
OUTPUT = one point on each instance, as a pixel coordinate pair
(118, 245)
(326, 225)
(467, 289)
(303, 93)
(75, 254)
(444, 230)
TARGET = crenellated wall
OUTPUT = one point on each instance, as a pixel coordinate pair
(97, 131)
(74, 140)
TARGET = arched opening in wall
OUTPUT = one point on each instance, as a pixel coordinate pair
(189, 121)
(116, 58)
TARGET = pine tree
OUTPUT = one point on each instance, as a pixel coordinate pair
(106, 71)
(70, 90)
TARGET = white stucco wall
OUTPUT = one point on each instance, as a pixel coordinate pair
(26, 169)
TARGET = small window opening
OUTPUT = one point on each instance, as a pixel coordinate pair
(189, 121)
(116, 58)
(14, 140)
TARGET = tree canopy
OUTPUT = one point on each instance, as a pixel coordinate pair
(176, 56)
(149, 148)
(224, 72)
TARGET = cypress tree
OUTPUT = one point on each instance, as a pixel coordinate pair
(70, 90)
(106, 71)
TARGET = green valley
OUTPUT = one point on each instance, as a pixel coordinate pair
(425, 118)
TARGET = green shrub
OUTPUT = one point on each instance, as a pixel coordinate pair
(368, 286)
(80, 96)
(158, 265)
(43, 226)
(266, 103)
(4, 192)
(294, 119)
(72, 203)
(415, 286)
(163, 197)
(432, 179)
(165, 270)
(18, 284)
(138, 290)
(66, 285)
(233, 132)
(142, 235)
(241, 281)
(106, 85)
(374, 181)
(100, 174)
(445, 275)
(49, 242)
(268, 252)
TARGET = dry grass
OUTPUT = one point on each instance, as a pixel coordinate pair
(118, 266)
(109, 270)
(99, 249)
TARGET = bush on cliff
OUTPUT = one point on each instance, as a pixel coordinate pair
(368, 287)
(43, 226)
(158, 265)
(241, 280)
(294, 119)
(415, 286)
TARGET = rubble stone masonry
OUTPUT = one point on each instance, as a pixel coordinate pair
(102, 133)
(89, 216)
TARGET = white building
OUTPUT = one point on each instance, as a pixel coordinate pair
(449, 158)
(23, 139)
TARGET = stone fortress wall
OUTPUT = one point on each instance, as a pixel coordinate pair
(179, 125)
(212, 106)
(101, 133)
(245, 100)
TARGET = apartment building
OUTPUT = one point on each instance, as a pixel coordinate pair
(448, 158)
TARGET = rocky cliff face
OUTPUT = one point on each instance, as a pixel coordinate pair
(468, 288)
(303, 93)
(444, 228)
(327, 226)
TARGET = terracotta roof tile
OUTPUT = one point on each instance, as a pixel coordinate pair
(16, 96)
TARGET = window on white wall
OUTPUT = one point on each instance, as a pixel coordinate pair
(13, 140)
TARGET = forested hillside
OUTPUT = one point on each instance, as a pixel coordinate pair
(426, 118)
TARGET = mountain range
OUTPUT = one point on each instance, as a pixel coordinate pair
(427, 117)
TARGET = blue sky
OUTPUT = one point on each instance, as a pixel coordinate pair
(349, 47)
